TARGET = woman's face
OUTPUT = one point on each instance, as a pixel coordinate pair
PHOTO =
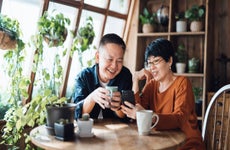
(159, 67)
(110, 61)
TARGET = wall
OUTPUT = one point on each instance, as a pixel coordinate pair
(219, 40)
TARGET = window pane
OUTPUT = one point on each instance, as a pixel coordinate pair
(50, 53)
(97, 3)
(114, 25)
(120, 6)
(89, 54)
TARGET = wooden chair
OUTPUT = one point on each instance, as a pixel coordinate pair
(216, 124)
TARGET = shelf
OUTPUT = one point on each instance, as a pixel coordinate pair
(191, 74)
(170, 33)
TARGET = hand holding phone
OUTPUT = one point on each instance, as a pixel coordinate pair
(128, 95)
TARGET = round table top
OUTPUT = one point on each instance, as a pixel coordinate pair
(110, 134)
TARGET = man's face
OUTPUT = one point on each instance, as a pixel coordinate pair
(110, 60)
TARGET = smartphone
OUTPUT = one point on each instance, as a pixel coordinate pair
(128, 95)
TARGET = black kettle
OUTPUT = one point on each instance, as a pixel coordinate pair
(163, 15)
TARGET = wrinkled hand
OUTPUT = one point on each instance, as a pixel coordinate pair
(115, 101)
(100, 96)
(130, 110)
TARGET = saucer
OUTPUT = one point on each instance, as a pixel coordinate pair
(85, 134)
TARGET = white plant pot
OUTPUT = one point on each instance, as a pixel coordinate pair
(180, 67)
(181, 26)
(85, 127)
(196, 26)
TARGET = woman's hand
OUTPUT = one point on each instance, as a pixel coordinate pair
(130, 110)
(142, 74)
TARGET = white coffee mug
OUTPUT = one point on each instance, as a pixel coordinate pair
(144, 121)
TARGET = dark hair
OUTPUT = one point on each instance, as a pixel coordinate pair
(112, 38)
(160, 47)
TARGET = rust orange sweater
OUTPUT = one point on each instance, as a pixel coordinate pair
(176, 109)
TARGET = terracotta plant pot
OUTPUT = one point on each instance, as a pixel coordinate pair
(147, 28)
(6, 42)
(196, 26)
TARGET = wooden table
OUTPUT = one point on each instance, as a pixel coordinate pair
(110, 134)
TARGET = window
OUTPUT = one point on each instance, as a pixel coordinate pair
(108, 16)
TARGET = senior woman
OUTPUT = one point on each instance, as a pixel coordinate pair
(169, 96)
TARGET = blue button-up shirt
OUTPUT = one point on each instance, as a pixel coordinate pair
(87, 81)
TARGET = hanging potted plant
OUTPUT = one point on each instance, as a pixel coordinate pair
(83, 39)
(195, 15)
(10, 34)
(181, 56)
(53, 28)
(148, 21)
(181, 24)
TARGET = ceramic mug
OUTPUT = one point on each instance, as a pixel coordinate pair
(111, 90)
(144, 121)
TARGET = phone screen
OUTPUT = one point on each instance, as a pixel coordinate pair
(128, 95)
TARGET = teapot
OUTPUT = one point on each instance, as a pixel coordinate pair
(163, 15)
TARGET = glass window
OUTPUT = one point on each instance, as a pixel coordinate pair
(97, 3)
(120, 6)
(114, 25)
(89, 54)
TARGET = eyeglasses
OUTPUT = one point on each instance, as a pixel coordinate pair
(154, 62)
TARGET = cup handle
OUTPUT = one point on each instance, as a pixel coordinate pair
(157, 119)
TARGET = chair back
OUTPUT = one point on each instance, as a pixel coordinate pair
(216, 130)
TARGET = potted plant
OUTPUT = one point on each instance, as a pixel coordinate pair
(83, 39)
(53, 28)
(195, 15)
(64, 130)
(197, 95)
(181, 56)
(85, 125)
(181, 24)
(148, 21)
(10, 34)
(193, 65)
(59, 111)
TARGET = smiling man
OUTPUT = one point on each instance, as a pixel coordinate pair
(90, 93)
